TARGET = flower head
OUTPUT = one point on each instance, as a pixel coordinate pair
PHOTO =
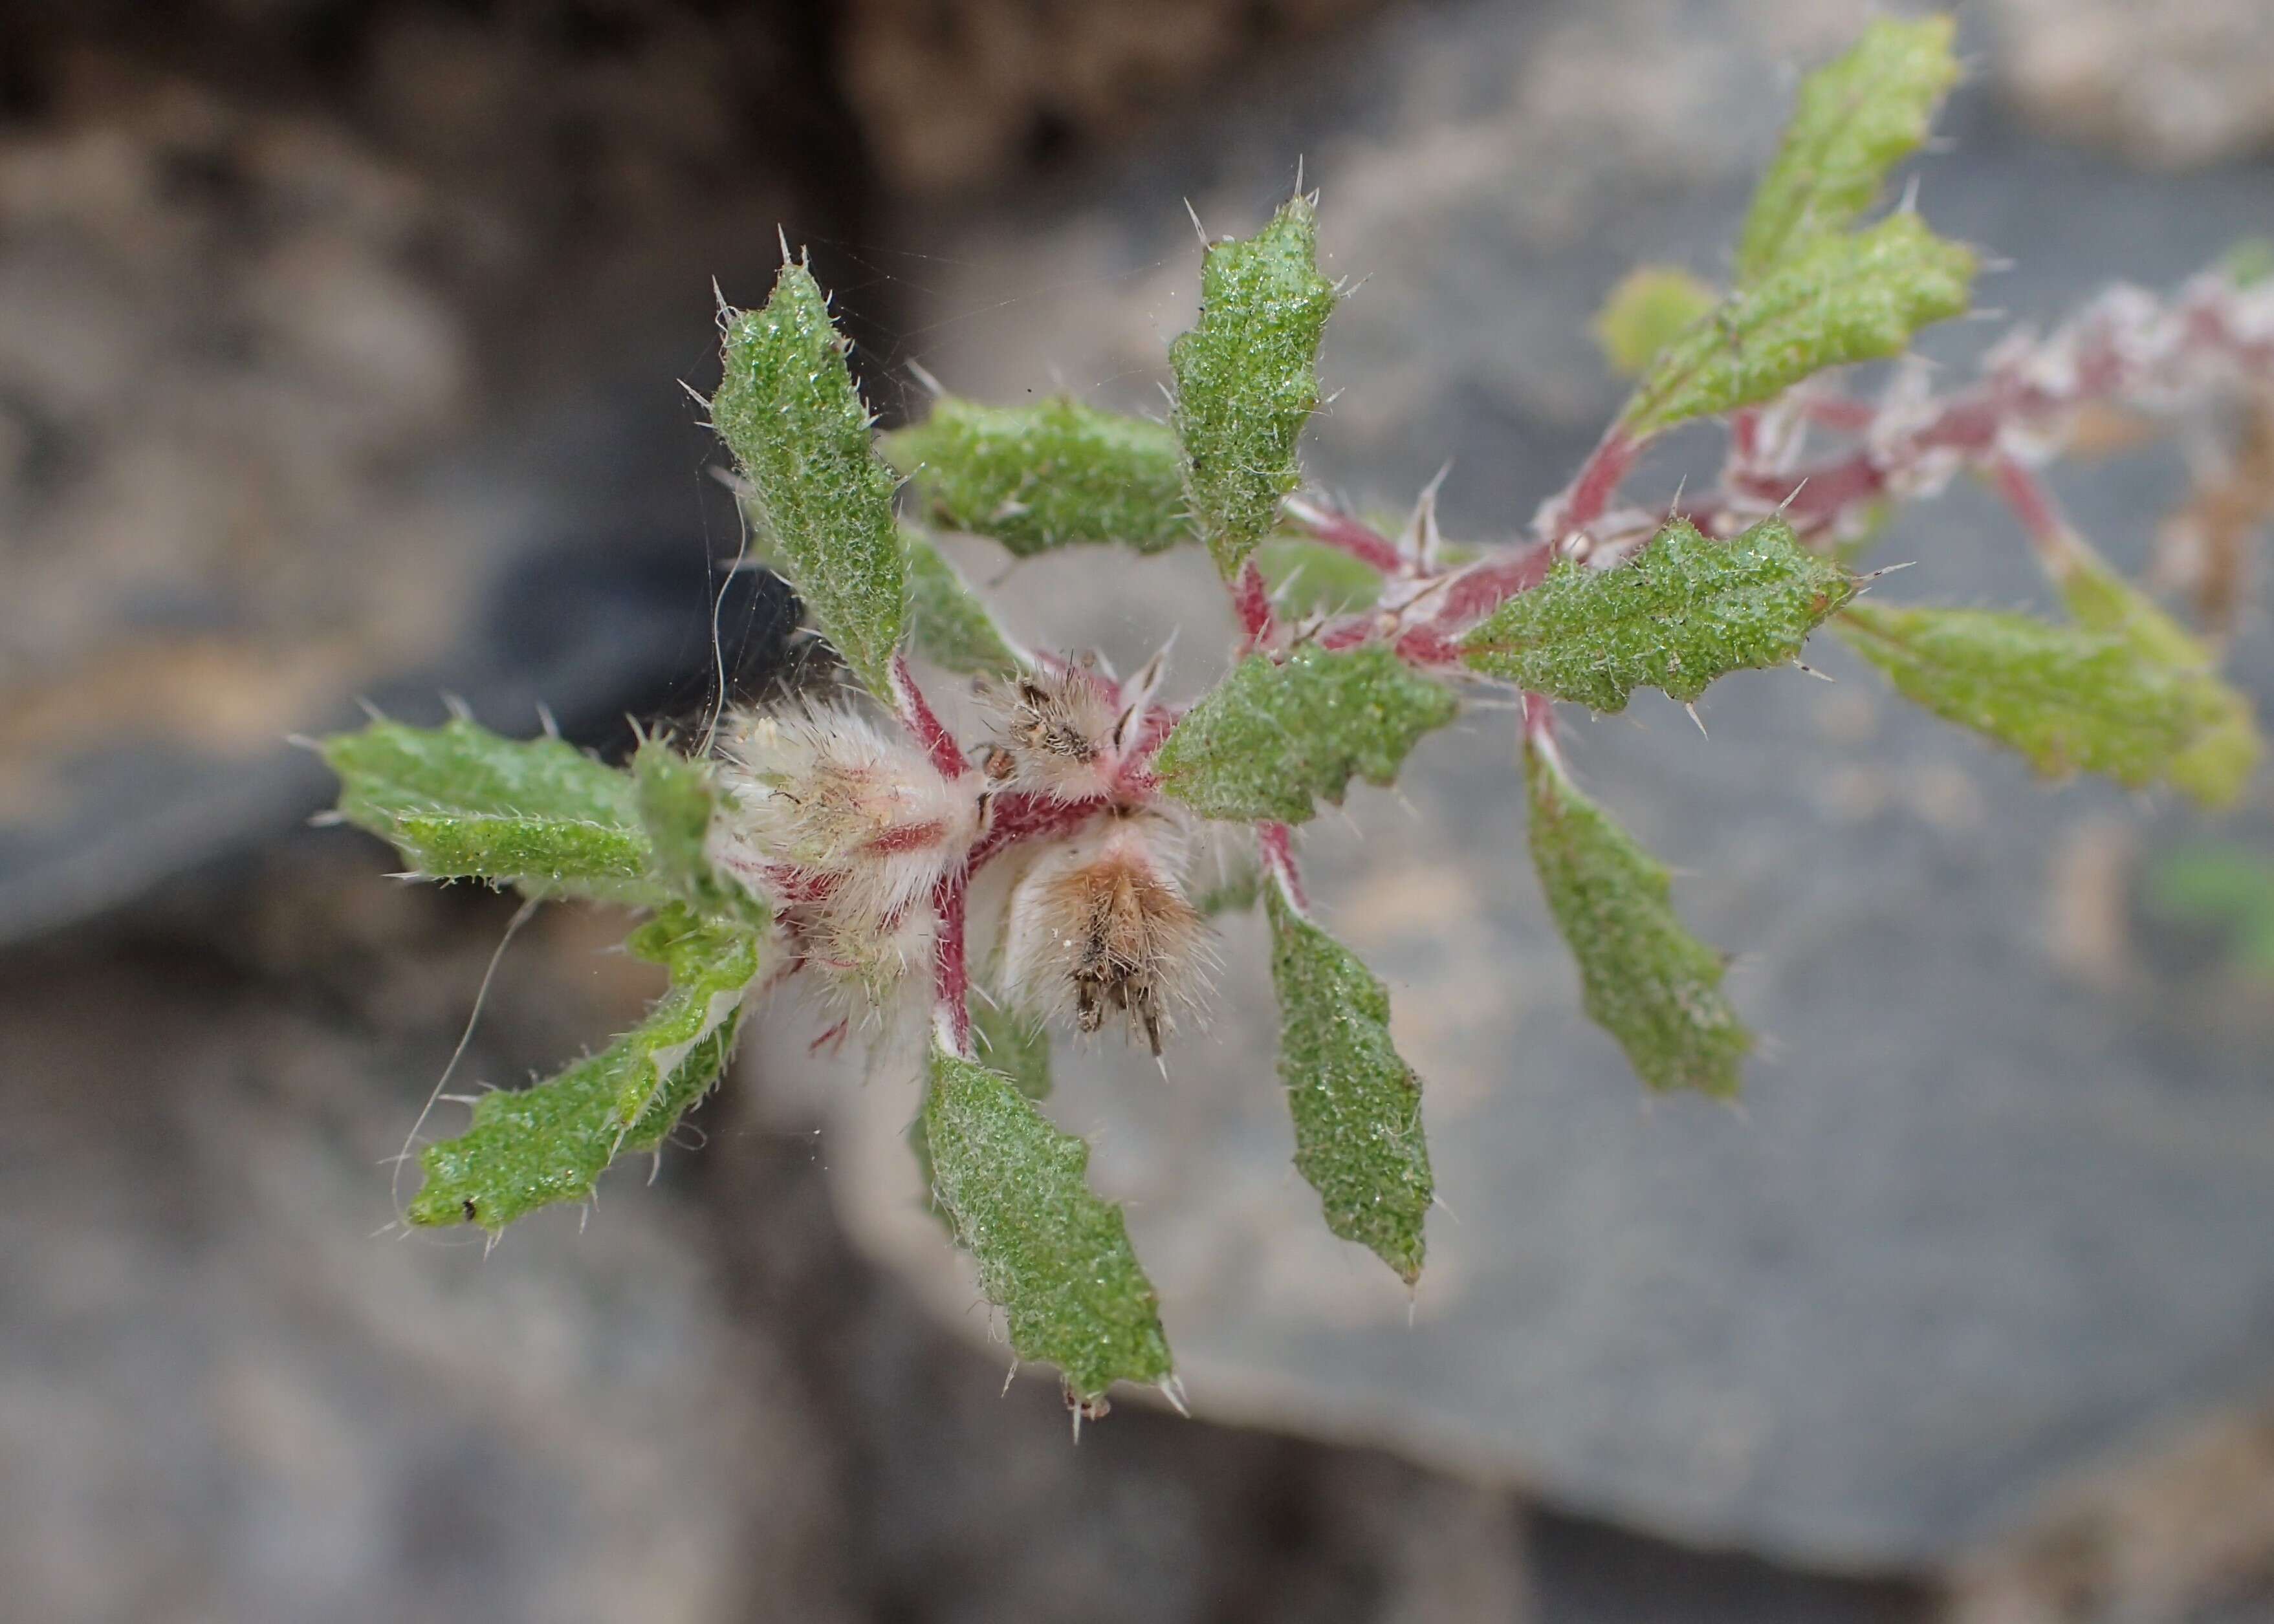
(847, 827)
(1067, 729)
(1102, 922)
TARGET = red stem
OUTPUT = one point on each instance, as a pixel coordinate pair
(1251, 600)
(1592, 488)
(1278, 842)
(917, 717)
(1345, 534)
(1539, 718)
(951, 973)
(2033, 506)
(1024, 815)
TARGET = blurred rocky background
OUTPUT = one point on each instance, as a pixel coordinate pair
(340, 352)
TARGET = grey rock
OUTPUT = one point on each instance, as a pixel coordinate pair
(228, 1393)
(1979, 1227)
(2172, 85)
(347, 402)
(225, 1394)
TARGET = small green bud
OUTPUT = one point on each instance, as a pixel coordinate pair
(1650, 307)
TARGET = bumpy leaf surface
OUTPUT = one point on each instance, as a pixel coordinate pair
(1052, 1255)
(1357, 1104)
(787, 407)
(532, 1146)
(1682, 612)
(947, 623)
(1049, 475)
(1858, 117)
(1275, 736)
(676, 799)
(2069, 699)
(460, 801)
(1247, 378)
(1014, 1045)
(1642, 978)
(2216, 767)
(1646, 312)
(1836, 300)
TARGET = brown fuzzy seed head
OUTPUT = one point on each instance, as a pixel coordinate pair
(1056, 727)
(1104, 925)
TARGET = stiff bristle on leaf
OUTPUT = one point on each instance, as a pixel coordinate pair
(1052, 1256)
(1279, 735)
(2068, 699)
(1683, 612)
(1051, 475)
(1838, 299)
(532, 1146)
(1858, 117)
(788, 408)
(462, 802)
(1642, 978)
(1247, 379)
(1356, 1104)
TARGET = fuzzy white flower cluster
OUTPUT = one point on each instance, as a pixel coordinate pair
(863, 842)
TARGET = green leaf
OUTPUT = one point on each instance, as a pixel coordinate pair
(1642, 978)
(712, 966)
(462, 802)
(1017, 1046)
(2218, 767)
(1858, 117)
(2221, 885)
(1682, 612)
(1247, 378)
(1014, 1044)
(1054, 474)
(1357, 1104)
(787, 407)
(532, 1146)
(947, 624)
(1053, 1256)
(1310, 577)
(2249, 262)
(2069, 699)
(1646, 312)
(1274, 735)
(676, 798)
(1837, 299)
